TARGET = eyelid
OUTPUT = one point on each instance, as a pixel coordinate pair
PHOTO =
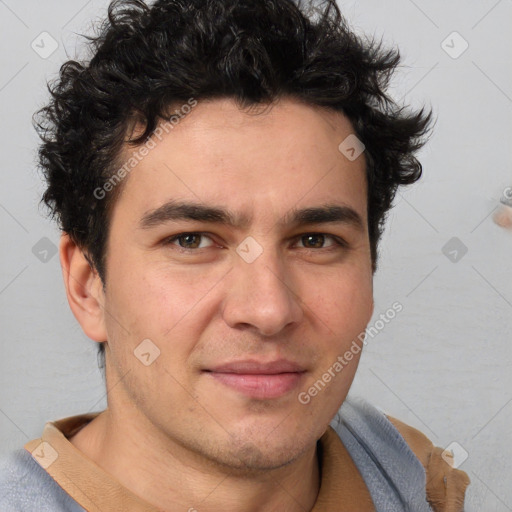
(170, 240)
(338, 241)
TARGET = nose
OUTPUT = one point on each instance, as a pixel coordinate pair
(261, 295)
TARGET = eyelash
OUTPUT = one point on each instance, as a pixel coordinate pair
(339, 242)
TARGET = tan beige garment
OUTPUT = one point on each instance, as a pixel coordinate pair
(342, 488)
(446, 486)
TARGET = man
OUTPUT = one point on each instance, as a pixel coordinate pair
(221, 171)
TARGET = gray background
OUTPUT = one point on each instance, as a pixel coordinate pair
(442, 365)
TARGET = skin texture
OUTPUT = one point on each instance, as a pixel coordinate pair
(172, 433)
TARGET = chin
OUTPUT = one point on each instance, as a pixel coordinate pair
(251, 459)
(253, 453)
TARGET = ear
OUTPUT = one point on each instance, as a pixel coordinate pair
(84, 289)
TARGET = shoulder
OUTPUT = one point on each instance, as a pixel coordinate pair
(25, 484)
(388, 449)
(446, 485)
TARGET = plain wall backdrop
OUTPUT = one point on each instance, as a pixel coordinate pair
(443, 364)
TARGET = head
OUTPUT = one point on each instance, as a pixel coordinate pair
(239, 105)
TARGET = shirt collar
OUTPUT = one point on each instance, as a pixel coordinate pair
(342, 488)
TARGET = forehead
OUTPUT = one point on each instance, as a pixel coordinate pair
(267, 158)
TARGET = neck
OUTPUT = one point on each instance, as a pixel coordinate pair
(169, 476)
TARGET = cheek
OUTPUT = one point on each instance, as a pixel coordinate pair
(345, 306)
(154, 302)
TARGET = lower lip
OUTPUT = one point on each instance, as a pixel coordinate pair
(260, 386)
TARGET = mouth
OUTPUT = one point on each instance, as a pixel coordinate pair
(259, 380)
(260, 386)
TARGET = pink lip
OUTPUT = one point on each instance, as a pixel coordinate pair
(258, 368)
(260, 386)
(257, 379)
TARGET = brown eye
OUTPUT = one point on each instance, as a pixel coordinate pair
(190, 241)
(317, 240)
(187, 240)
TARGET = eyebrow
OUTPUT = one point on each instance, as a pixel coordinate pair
(193, 211)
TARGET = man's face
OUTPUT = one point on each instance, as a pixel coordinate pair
(271, 289)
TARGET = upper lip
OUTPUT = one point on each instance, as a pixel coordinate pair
(253, 367)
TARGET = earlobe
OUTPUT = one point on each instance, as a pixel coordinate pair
(84, 289)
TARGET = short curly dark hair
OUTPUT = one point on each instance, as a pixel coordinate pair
(147, 58)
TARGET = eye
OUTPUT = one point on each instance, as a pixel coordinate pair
(192, 241)
(187, 240)
(318, 239)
